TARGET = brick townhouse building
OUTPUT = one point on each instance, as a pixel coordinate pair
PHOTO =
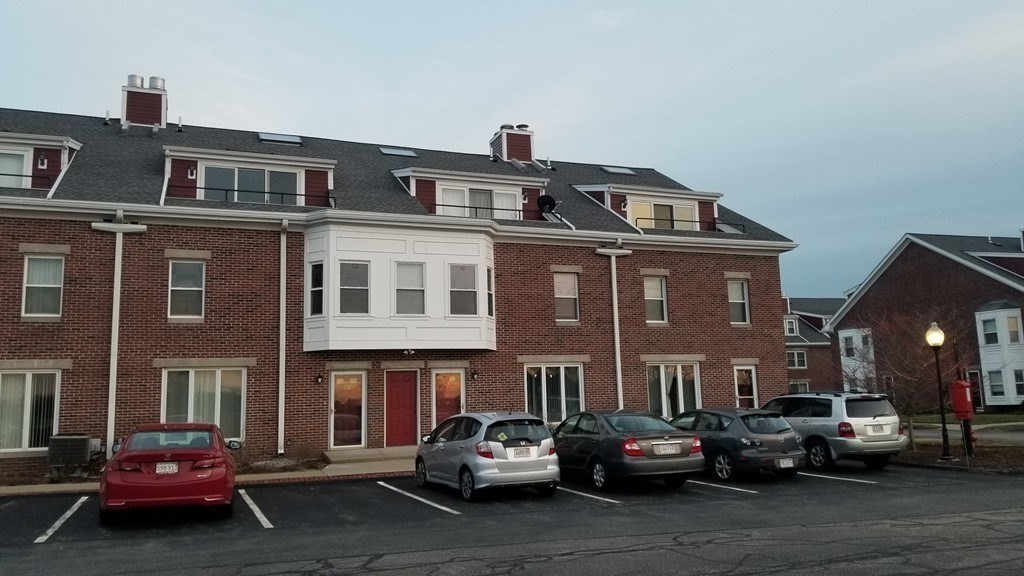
(809, 354)
(310, 294)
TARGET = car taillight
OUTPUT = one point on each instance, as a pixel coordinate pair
(695, 447)
(123, 466)
(551, 451)
(846, 430)
(631, 448)
(901, 428)
(483, 449)
(211, 463)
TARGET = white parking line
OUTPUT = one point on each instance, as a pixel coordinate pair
(255, 510)
(61, 520)
(723, 487)
(590, 496)
(415, 497)
(837, 478)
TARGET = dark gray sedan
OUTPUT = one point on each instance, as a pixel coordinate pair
(745, 440)
(614, 445)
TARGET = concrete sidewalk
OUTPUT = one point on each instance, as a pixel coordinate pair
(343, 465)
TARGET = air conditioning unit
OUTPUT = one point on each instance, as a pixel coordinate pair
(68, 450)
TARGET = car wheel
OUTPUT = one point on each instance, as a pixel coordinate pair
(598, 475)
(675, 481)
(547, 490)
(877, 462)
(819, 455)
(724, 467)
(787, 474)
(421, 473)
(467, 485)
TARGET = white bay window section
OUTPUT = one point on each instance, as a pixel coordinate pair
(409, 288)
(463, 292)
(214, 395)
(554, 392)
(28, 409)
(44, 282)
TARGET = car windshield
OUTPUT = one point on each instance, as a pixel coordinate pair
(168, 439)
(765, 423)
(507, 430)
(639, 423)
(868, 407)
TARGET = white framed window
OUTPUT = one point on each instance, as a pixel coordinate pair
(1013, 328)
(796, 359)
(663, 215)
(316, 289)
(462, 300)
(790, 327)
(480, 203)
(409, 288)
(490, 292)
(673, 388)
(655, 303)
(215, 395)
(566, 296)
(251, 184)
(449, 393)
(746, 386)
(186, 289)
(848, 350)
(355, 287)
(995, 383)
(44, 286)
(28, 409)
(15, 168)
(989, 333)
(554, 392)
(798, 387)
(1018, 381)
(348, 409)
(739, 302)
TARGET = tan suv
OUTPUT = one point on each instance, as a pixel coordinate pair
(843, 426)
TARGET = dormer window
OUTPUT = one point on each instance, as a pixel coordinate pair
(663, 215)
(256, 185)
(479, 203)
(13, 170)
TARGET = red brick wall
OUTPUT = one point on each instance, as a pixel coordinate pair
(820, 371)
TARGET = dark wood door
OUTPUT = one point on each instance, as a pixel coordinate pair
(400, 412)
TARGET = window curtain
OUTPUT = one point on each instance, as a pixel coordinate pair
(204, 402)
(12, 409)
(506, 206)
(43, 281)
(231, 403)
(11, 166)
(44, 391)
(176, 409)
(454, 202)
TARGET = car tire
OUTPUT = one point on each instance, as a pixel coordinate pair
(786, 474)
(599, 476)
(675, 481)
(877, 462)
(421, 473)
(819, 455)
(467, 485)
(724, 467)
(547, 490)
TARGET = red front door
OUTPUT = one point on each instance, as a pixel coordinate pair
(400, 412)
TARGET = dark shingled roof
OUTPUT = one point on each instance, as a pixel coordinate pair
(806, 334)
(965, 248)
(815, 306)
(128, 167)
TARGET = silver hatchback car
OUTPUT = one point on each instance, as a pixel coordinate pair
(843, 425)
(474, 451)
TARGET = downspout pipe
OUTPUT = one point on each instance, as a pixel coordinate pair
(282, 334)
(119, 228)
(614, 253)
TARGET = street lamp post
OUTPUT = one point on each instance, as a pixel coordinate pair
(935, 337)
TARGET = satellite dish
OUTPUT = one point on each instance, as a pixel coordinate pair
(546, 203)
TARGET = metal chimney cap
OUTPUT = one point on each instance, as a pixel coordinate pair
(522, 126)
(156, 83)
(506, 127)
(135, 80)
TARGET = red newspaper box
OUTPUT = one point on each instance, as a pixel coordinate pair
(960, 391)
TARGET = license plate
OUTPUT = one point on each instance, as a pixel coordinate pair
(666, 448)
(876, 429)
(166, 467)
(520, 452)
(785, 463)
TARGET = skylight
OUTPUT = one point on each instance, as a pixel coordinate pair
(398, 152)
(618, 170)
(288, 139)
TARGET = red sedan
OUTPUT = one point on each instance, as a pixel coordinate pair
(180, 464)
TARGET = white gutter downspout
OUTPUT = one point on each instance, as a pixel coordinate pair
(613, 252)
(281, 335)
(119, 228)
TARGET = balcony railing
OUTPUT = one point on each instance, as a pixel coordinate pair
(236, 195)
(696, 225)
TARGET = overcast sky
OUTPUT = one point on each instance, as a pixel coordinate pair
(841, 125)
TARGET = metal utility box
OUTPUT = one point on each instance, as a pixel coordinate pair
(69, 450)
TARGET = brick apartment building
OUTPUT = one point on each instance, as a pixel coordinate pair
(809, 354)
(310, 294)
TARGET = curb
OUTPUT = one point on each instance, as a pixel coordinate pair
(964, 469)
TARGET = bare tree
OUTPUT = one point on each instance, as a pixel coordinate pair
(900, 363)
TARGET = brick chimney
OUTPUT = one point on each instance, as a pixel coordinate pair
(141, 105)
(513, 142)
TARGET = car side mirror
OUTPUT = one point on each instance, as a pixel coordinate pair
(116, 446)
(234, 445)
(426, 439)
